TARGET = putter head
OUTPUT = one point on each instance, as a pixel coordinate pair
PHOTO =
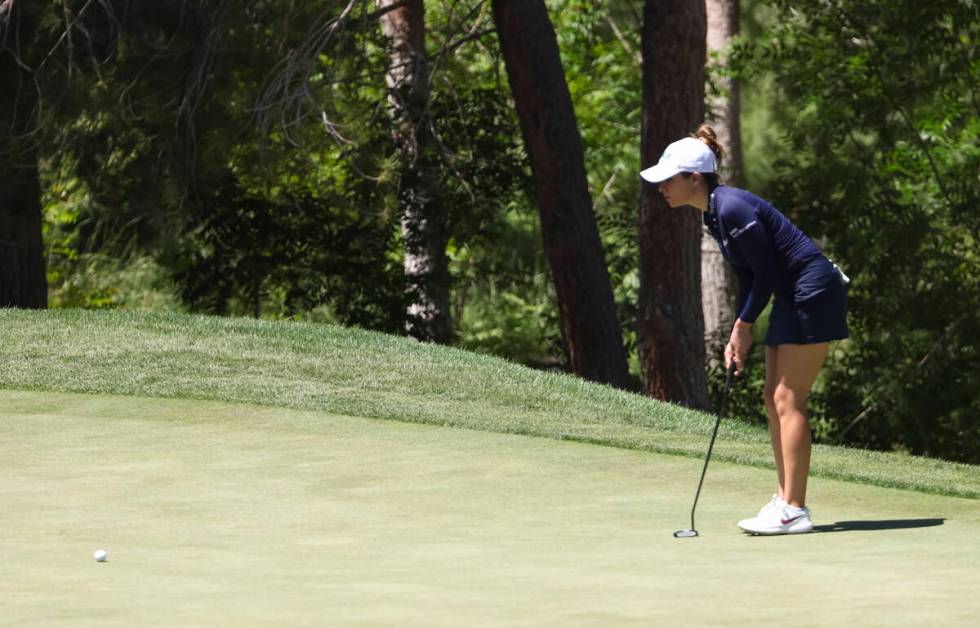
(685, 534)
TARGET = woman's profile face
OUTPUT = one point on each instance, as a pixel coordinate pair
(679, 189)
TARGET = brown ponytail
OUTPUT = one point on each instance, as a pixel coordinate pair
(706, 134)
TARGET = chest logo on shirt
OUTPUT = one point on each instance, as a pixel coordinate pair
(739, 231)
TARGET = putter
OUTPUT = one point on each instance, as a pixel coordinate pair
(692, 532)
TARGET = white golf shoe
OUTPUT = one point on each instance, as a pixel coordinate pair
(775, 502)
(778, 518)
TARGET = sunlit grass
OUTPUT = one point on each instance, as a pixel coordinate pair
(363, 374)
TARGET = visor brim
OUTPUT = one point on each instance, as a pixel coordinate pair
(659, 173)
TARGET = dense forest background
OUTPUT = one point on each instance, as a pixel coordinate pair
(400, 166)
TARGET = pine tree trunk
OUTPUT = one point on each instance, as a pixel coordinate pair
(725, 106)
(718, 282)
(670, 333)
(718, 297)
(424, 220)
(23, 282)
(591, 333)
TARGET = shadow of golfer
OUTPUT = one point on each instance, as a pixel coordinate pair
(865, 526)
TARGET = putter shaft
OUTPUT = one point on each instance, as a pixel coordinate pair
(711, 445)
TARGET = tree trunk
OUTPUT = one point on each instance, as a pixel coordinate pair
(424, 220)
(670, 334)
(725, 106)
(591, 333)
(718, 282)
(23, 282)
(718, 299)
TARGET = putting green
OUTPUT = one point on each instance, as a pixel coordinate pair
(241, 515)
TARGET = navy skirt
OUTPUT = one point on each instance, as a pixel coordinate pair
(818, 312)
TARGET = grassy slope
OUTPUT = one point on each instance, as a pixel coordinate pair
(356, 373)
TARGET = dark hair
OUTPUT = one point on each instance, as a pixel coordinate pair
(707, 134)
(711, 178)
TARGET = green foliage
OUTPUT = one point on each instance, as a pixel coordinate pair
(91, 278)
(505, 325)
(881, 161)
(289, 255)
(216, 164)
(599, 44)
(504, 301)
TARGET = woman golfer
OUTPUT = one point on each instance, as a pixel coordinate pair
(771, 256)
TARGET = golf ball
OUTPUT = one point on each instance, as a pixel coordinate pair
(101, 555)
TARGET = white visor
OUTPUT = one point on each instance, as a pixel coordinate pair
(686, 155)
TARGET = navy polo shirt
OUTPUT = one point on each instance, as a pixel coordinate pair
(769, 254)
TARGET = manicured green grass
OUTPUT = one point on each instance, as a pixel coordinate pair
(357, 373)
(222, 514)
(238, 473)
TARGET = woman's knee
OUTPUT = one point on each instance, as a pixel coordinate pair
(786, 400)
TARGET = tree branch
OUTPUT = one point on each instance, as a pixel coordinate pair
(289, 84)
(633, 54)
(451, 47)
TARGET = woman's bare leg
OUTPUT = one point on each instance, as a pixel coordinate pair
(768, 399)
(797, 367)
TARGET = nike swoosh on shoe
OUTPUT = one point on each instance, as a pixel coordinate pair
(789, 521)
